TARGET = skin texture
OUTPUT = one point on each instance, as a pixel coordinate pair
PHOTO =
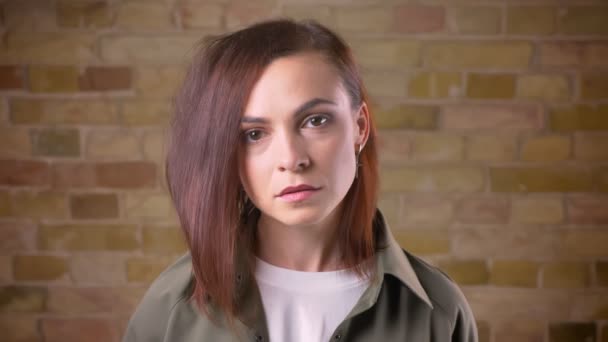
(316, 147)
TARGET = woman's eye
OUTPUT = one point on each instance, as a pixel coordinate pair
(317, 120)
(252, 135)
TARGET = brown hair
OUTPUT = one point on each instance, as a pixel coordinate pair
(201, 165)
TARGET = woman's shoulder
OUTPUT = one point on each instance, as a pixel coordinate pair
(148, 322)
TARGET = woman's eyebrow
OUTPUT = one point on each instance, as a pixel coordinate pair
(304, 107)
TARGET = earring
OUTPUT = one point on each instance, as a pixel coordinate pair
(358, 163)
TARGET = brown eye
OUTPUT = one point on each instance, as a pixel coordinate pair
(317, 120)
(252, 136)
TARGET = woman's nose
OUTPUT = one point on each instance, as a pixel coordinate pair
(291, 154)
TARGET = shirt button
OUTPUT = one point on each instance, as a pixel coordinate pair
(337, 337)
(259, 338)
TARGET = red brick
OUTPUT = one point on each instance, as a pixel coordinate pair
(105, 78)
(80, 329)
(587, 210)
(94, 206)
(74, 300)
(73, 175)
(17, 236)
(24, 172)
(126, 174)
(11, 77)
(419, 18)
(492, 117)
(21, 328)
(483, 209)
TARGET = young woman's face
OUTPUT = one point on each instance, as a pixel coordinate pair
(299, 128)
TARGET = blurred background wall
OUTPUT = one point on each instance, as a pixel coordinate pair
(493, 118)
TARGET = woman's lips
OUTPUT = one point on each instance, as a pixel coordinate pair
(298, 196)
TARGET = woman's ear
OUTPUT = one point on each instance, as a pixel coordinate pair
(362, 124)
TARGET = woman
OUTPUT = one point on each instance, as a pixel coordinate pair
(272, 167)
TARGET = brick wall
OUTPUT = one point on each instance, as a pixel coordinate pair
(494, 151)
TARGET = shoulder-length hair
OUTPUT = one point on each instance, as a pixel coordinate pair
(202, 155)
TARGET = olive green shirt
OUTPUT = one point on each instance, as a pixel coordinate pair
(407, 300)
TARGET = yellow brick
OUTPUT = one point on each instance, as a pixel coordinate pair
(477, 55)
(407, 117)
(88, 237)
(83, 14)
(601, 271)
(105, 268)
(145, 50)
(146, 112)
(146, 269)
(22, 299)
(516, 273)
(39, 268)
(588, 244)
(540, 179)
(594, 86)
(14, 142)
(434, 210)
(583, 20)
(591, 147)
(531, 20)
(149, 205)
(427, 179)
(44, 204)
(53, 79)
(537, 210)
(491, 86)
(390, 206)
(90, 112)
(6, 269)
(159, 82)
(419, 85)
(424, 242)
(564, 274)
(393, 146)
(322, 14)
(29, 15)
(504, 118)
(143, 15)
(546, 148)
(366, 20)
(163, 240)
(543, 87)
(497, 147)
(155, 145)
(447, 84)
(385, 83)
(566, 53)
(112, 144)
(200, 15)
(5, 204)
(600, 175)
(20, 328)
(518, 329)
(474, 20)
(579, 118)
(435, 147)
(48, 48)
(466, 272)
(387, 53)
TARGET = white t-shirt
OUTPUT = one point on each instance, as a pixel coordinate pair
(306, 306)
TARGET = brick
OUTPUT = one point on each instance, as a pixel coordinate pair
(105, 78)
(33, 48)
(436, 147)
(583, 20)
(55, 142)
(43, 205)
(22, 299)
(149, 205)
(491, 86)
(546, 148)
(475, 20)
(579, 54)
(143, 15)
(146, 50)
(11, 77)
(594, 86)
(105, 268)
(321, 14)
(505, 55)
(73, 175)
(424, 242)
(427, 179)
(200, 15)
(360, 19)
(14, 142)
(514, 273)
(17, 237)
(88, 14)
(540, 179)
(578, 118)
(591, 147)
(600, 176)
(146, 113)
(384, 83)
(497, 147)
(90, 112)
(419, 85)
(88, 237)
(419, 117)
(163, 240)
(601, 271)
(506, 118)
(154, 142)
(543, 87)
(20, 328)
(571, 331)
(39, 268)
(435, 85)
(5, 204)
(24, 172)
(390, 206)
(520, 330)
(93, 300)
(482, 209)
(28, 15)
(242, 14)
(501, 243)
(6, 269)
(466, 272)
(94, 206)
(584, 244)
(113, 144)
(535, 210)
(74, 329)
(53, 79)
(605, 334)
(394, 146)
(531, 20)
(159, 82)
(419, 19)
(431, 210)
(145, 270)
(387, 53)
(587, 209)
(126, 175)
(483, 331)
